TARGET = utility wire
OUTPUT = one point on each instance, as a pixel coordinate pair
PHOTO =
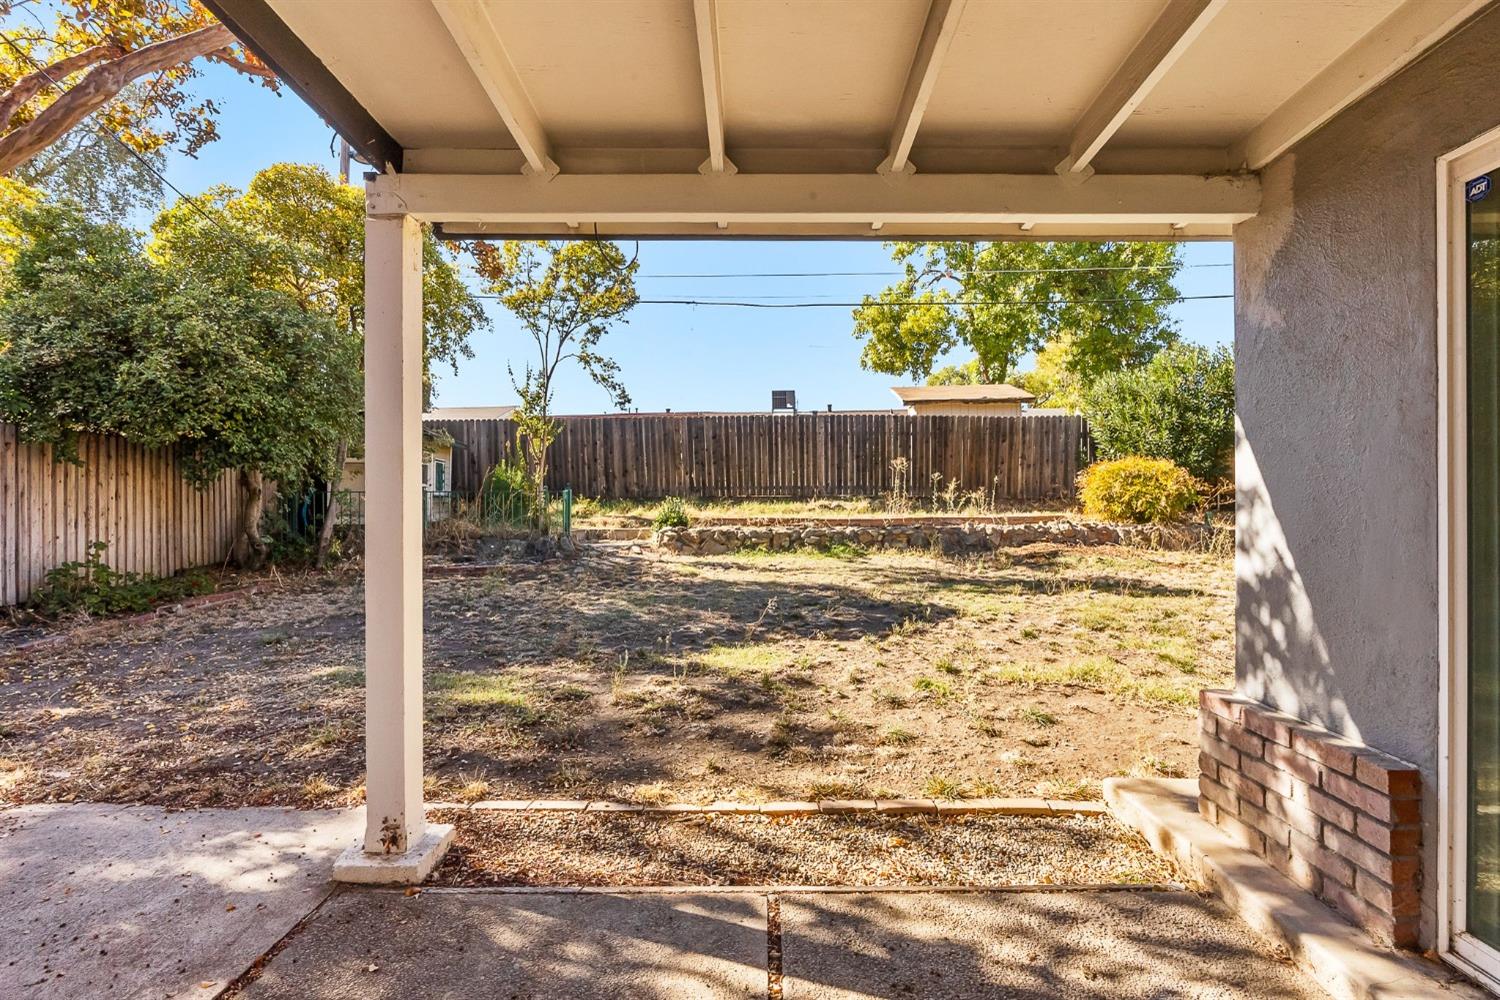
(884, 274)
(197, 206)
(858, 305)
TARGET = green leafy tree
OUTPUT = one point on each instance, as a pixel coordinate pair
(1001, 301)
(965, 374)
(567, 296)
(310, 231)
(1179, 406)
(104, 338)
(1050, 380)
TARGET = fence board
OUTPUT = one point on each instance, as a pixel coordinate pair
(798, 456)
(131, 498)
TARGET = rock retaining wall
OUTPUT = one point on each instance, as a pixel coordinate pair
(949, 539)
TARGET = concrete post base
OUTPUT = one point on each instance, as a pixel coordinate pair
(407, 868)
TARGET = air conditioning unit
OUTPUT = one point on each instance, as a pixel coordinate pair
(784, 399)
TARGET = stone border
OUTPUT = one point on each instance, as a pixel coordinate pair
(884, 807)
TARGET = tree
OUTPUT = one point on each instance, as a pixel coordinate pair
(82, 59)
(567, 296)
(104, 338)
(1050, 380)
(1004, 300)
(92, 168)
(965, 374)
(1179, 405)
(310, 231)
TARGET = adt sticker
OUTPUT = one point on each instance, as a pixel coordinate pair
(1477, 189)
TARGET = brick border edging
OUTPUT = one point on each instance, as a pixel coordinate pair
(1339, 818)
(886, 807)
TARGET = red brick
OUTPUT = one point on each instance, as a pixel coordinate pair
(1276, 830)
(1330, 809)
(1295, 868)
(1298, 817)
(1244, 789)
(1383, 927)
(1324, 860)
(1401, 841)
(1398, 901)
(1207, 766)
(1389, 776)
(1293, 763)
(1395, 871)
(1243, 834)
(1208, 723)
(1275, 781)
(1208, 810)
(1367, 799)
(1224, 704)
(1218, 795)
(1274, 726)
(1219, 751)
(1244, 741)
(1330, 751)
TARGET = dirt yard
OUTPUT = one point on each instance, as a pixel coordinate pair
(627, 675)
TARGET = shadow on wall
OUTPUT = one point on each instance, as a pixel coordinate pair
(1281, 658)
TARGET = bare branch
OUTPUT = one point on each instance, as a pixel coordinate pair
(100, 85)
(33, 83)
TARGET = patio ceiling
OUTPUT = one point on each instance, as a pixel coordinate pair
(876, 118)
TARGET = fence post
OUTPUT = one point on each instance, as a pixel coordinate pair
(567, 511)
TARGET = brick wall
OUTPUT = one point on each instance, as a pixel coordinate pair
(1334, 816)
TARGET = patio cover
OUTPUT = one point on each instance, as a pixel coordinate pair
(885, 119)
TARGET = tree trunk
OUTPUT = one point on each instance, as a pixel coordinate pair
(250, 550)
(331, 513)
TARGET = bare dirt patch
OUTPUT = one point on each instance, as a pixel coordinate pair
(628, 675)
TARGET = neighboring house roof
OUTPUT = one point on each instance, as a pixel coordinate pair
(469, 413)
(962, 394)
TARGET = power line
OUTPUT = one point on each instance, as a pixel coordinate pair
(196, 205)
(856, 305)
(885, 274)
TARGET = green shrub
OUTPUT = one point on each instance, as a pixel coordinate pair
(509, 495)
(1137, 490)
(92, 586)
(1179, 405)
(671, 514)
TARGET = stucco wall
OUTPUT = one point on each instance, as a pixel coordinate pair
(1335, 344)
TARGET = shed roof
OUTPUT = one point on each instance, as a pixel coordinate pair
(468, 413)
(997, 393)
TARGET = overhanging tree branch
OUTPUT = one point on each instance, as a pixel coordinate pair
(34, 82)
(100, 85)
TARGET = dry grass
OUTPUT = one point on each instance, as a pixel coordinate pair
(632, 676)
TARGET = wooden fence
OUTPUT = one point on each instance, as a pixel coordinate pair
(789, 455)
(131, 498)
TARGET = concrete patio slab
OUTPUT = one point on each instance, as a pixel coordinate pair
(445, 945)
(129, 901)
(965, 946)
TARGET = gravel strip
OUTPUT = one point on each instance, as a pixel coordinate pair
(581, 849)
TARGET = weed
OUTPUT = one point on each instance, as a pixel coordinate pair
(463, 690)
(942, 787)
(898, 737)
(91, 586)
(833, 789)
(933, 688)
(1038, 717)
(947, 666)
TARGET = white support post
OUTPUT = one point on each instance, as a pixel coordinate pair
(399, 846)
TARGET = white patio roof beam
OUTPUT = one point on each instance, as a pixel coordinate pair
(1401, 38)
(818, 198)
(1169, 36)
(937, 36)
(706, 17)
(477, 38)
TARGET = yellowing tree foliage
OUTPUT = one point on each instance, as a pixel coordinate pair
(68, 59)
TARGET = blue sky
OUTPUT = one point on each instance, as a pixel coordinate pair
(678, 357)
